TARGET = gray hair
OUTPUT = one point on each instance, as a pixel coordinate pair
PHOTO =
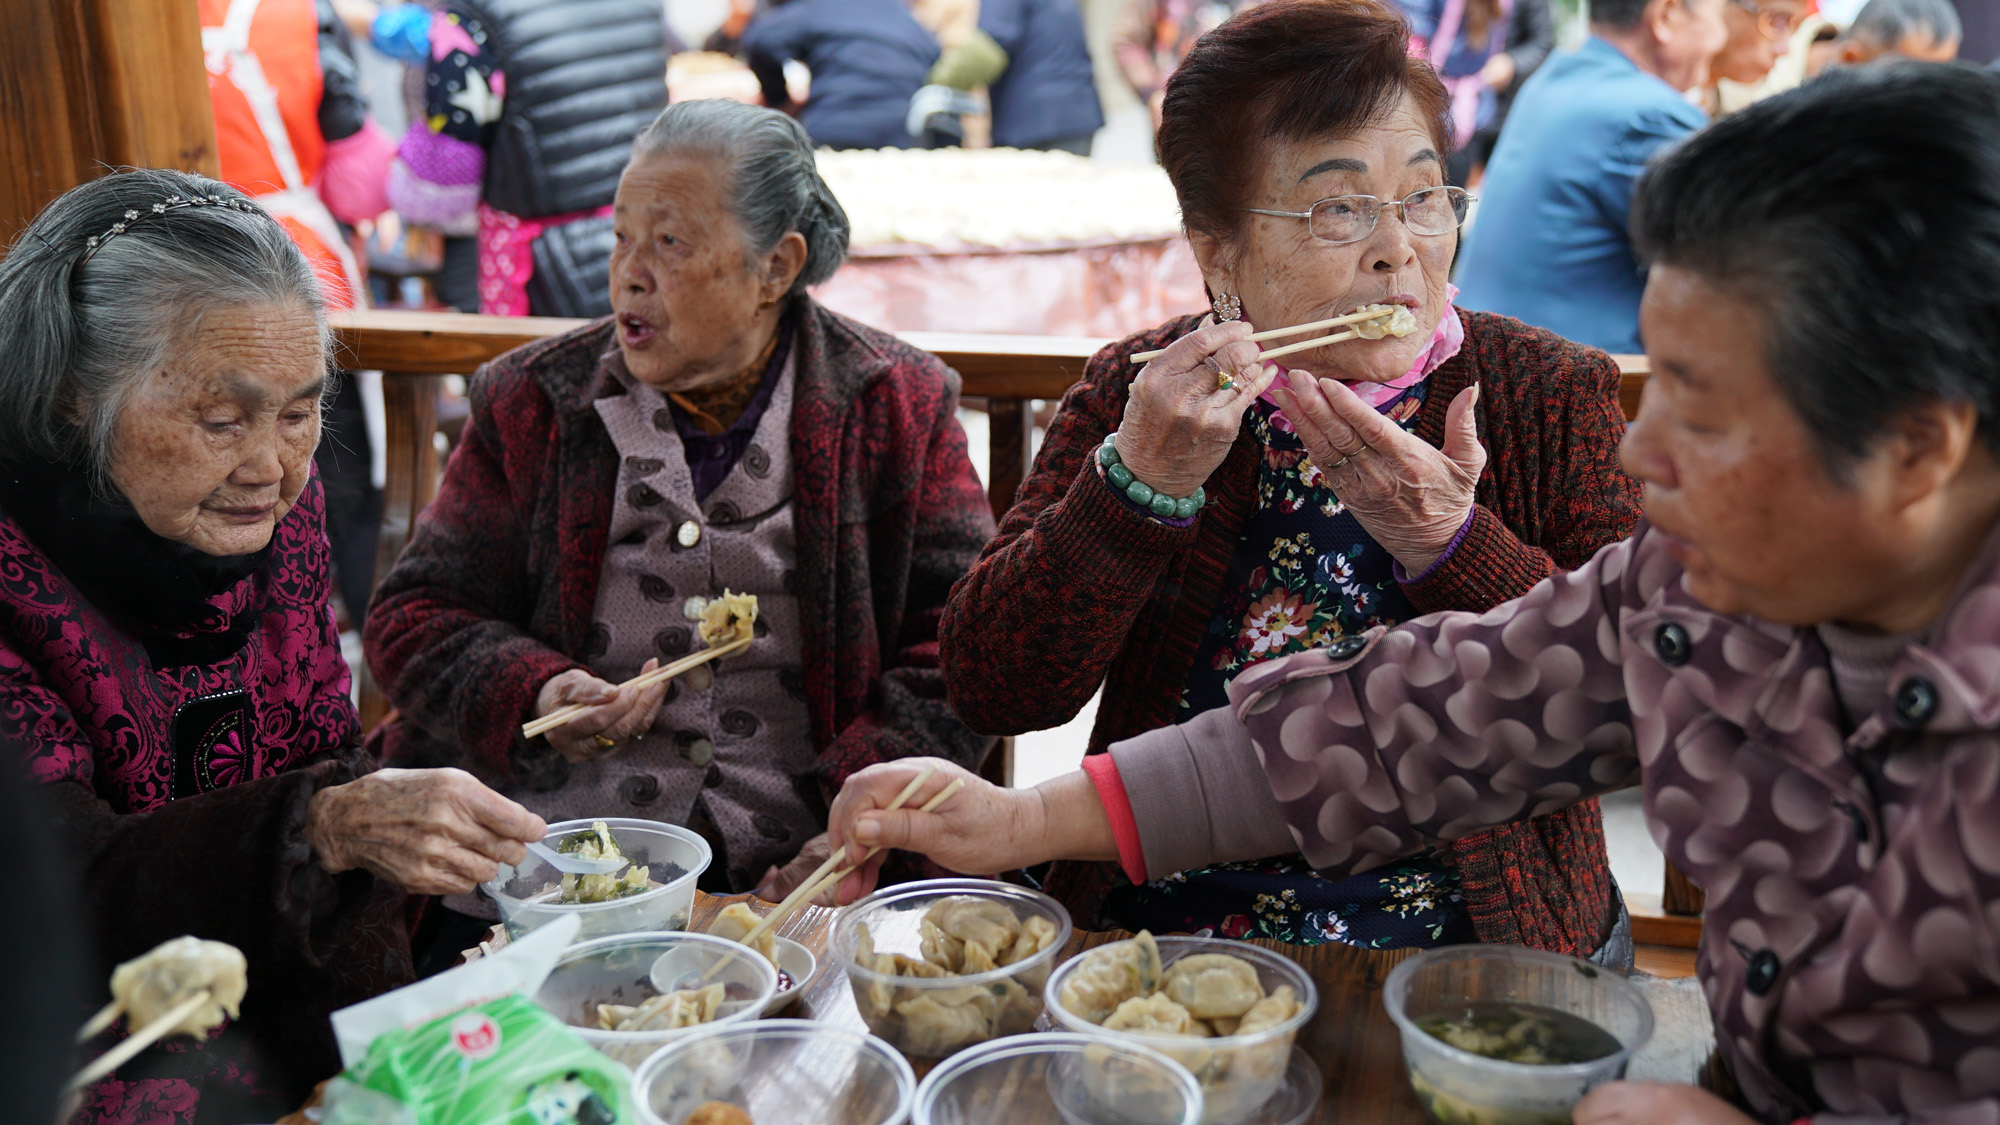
(80, 336)
(1887, 23)
(777, 187)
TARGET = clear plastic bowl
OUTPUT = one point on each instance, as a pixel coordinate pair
(631, 968)
(892, 915)
(1083, 1079)
(525, 893)
(1460, 1088)
(1237, 1073)
(783, 1072)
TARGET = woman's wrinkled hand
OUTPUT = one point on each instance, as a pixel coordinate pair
(615, 713)
(430, 832)
(1654, 1103)
(981, 829)
(781, 881)
(1411, 496)
(1178, 426)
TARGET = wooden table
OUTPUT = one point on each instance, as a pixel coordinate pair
(1351, 1037)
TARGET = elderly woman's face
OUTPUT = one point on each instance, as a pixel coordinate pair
(213, 449)
(1286, 276)
(1733, 477)
(691, 307)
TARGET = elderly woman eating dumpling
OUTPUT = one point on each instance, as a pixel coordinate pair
(720, 433)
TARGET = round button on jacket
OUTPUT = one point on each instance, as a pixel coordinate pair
(1916, 703)
(1762, 973)
(688, 533)
(1346, 648)
(1673, 645)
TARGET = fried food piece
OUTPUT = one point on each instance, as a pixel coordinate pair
(719, 1113)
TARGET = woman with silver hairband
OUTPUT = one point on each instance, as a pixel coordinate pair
(168, 666)
(1179, 529)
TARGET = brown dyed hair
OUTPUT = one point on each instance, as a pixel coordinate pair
(1284, 70)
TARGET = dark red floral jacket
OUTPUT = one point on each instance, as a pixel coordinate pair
(493, 595)
(181, 788)
(1078, 590)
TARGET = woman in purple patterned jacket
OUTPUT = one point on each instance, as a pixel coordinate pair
(1797, 656)
(168, 663)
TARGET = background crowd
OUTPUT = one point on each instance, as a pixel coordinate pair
(714, 426)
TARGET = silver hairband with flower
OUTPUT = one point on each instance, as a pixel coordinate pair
(171, 203)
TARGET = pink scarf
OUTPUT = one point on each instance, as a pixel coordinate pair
(1445, 342)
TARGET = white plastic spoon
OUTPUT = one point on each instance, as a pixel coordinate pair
(575, 864)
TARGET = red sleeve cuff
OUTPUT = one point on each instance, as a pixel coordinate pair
(1103, 773)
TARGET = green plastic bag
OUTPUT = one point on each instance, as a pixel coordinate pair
(504, 1062)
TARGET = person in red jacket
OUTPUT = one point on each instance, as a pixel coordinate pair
(720, 432)
(1175, 531)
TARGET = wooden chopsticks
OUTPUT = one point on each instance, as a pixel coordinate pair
(831, 873)
(562, 715)
(1309, 326)
(134, 1043)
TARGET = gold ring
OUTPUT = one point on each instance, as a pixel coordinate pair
(1224, 381)
(604, 743)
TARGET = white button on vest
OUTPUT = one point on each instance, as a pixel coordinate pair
(688, 534)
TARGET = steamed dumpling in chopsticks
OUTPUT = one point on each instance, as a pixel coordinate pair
(731, 617)
(735, 923)
(149, 986)
(1400, 322)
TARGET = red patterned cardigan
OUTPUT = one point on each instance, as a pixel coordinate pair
(1078, 589)
(495, 591)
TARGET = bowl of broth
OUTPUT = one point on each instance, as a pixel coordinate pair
(1501, 1035)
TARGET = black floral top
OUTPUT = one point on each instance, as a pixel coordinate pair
(1305, 573)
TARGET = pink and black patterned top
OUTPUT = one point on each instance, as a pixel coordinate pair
(177, 761)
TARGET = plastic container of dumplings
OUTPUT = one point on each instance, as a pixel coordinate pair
(1080, 1079)
(782, 1072)
(631, 968)
(526, 892)
(1238, 1074)
(937, 1017)
(1458, 1087)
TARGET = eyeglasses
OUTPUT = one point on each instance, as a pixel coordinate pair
(1771, 23)
(1351, 218)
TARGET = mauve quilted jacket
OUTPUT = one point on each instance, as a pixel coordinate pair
(1851, 946)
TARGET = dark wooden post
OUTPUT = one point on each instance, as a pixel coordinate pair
(87, 86)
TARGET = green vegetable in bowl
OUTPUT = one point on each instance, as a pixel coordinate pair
(597, 842)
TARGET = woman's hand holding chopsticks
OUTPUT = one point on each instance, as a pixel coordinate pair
(615, 713)
(1179, 420)
(980, 828)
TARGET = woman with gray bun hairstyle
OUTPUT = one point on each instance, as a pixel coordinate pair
(167, 656)
(720, 431)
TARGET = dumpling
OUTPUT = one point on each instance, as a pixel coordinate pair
(149, 986)
(1213, 984)
(1110, 975)
(670, 1010)
(970, 919)
(731, 617)
(1155, 1015)
(1037, 934)
(940, 948)
(978, 959)
(1015, 1008)
(1225, 1026)
(1282, 1004)
(737, 920)
(1400, 322)
(934, 1026)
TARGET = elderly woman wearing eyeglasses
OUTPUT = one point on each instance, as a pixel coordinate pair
(1475, 457)
(1760, 33)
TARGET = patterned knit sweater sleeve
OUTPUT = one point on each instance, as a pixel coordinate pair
(1070, 570)
(1553, 492)
(444, 634)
